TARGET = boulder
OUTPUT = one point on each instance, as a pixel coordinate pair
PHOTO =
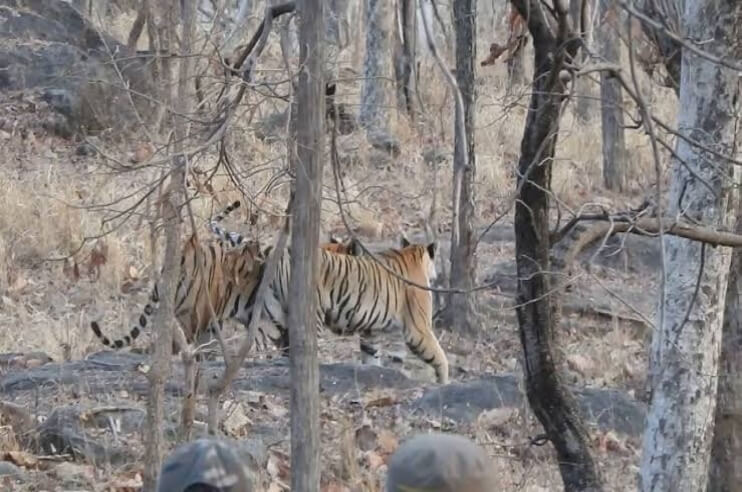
(50, 48)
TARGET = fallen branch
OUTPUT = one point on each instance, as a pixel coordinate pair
(648, 226)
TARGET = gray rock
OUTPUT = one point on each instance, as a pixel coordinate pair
(8, 469)
(50, 47)
(63, 433)
(463, 402)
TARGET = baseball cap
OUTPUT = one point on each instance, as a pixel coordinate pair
(439, 462)
(210, 462)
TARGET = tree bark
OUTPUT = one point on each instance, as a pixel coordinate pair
(164, 22)
(305, 444)
(725, 473)
(584, 104)
(460, 309)
(375, 66)
(404, 57)
(686, 343)
(611, 102)
(550, 400)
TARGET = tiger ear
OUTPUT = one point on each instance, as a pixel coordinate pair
(431, 249)
(404, 242)
(334, 240)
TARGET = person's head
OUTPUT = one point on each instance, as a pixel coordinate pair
(440, 463)
(204, 465)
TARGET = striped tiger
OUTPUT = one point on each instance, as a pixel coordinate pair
(210, 274)
(355, 294)
(370, 354)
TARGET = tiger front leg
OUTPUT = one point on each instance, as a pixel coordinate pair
(422, 342)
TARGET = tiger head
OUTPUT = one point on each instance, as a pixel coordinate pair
(427, 254)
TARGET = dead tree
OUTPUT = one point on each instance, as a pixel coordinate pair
(686, 343)
(583, 89)
(308, 158)
(553, 404)
(611, 102)
(459, 310)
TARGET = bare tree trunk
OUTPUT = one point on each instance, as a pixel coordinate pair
(551, 401)
(686, 342)
(584, 104)
(165, 24)
(375, 67)
(725, 473)
(460, 309)
(405, 57)
(183, 107)
(305, 444)
(611, 102)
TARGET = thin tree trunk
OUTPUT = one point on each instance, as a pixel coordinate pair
(551, 401)
(405, 56)
(611, 103)
(687, 340)
(183, 107)
(164, 24)
(584, 104)
(460, 307)
(375, 66)
(725, 472)
(305, 444)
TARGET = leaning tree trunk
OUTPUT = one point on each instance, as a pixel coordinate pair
(611, 102)
(459, 310)
(552, 402)
(310, 117)
(686, 342)
(725, 473)
(375, 67)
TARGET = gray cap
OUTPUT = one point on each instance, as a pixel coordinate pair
(440, 463)
(204, 461)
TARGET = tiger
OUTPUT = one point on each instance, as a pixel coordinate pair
(210, 274)
(356, 294)
(369, 352)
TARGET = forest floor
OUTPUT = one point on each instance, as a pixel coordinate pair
(87, 406)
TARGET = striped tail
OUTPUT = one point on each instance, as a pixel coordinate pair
(129, 338)
(231, 238)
